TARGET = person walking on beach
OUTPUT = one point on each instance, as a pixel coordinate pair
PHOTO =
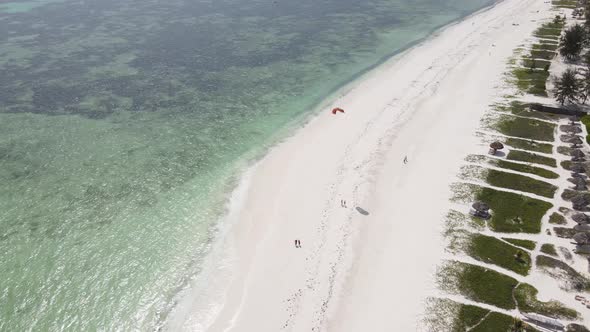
(405, 159)
(297, 244)
(342, 203)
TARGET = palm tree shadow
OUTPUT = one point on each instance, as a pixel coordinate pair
(362, 211)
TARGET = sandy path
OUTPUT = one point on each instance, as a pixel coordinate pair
(370, 272)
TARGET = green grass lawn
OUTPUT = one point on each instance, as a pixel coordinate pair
(527, 244)
(545, 46)
(494, 251)
(562, 271)
(526, 297)
(537, 63)
(497, 322)
(568, 194)
(519, 108)
(466, 317)
(549, 249)
(526, 169)
(513, 213)
(531, 158)
(557, 219)
(520, 182)
(542, 54)
(548, 32)
(526, 128)
(565, 3)
(529, 145)
(477, 284)
(533, 82)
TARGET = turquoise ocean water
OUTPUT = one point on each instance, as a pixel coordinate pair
(124, 124)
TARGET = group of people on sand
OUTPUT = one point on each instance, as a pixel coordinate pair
(343, 204)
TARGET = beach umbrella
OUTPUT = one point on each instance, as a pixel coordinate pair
(577, 153)
(581, 238)
(581, 218)
(480, 206)
(577, 168)
(497, 145)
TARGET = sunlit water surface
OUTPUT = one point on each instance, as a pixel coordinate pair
(125, 123)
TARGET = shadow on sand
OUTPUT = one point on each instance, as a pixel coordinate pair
(362, 211)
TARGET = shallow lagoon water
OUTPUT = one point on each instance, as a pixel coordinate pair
(124, 124)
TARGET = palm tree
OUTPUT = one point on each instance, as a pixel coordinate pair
(567, 87)
(572, 42)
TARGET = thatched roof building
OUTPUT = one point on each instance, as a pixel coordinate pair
(577, 168)
(582, 228)
(581, 238)
(576, 140)
(572, 129)
(581, 218)
(580, 202)
(577, 153)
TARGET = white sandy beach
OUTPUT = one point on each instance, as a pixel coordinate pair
(372, 271)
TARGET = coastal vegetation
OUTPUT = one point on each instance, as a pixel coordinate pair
(526, 297)
(571, 42)
(557, 219)
(520, 182)
(478, 284)
(529, 145)
(492, 250)
(525, 128)
(523, 168)
(549, 249)
(510, 178)
(567, 87)
(531, 158)
(516, 107)
(465, 317)
(527, 244)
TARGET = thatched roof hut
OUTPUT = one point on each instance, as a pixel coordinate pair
(581, 218)
(576, 140)
(480, 206)
(571, 129)
(577, 153)
(580, 202)
(577, 168)
(577, 180)
(578, 175)
(582, 228)
(497, 145)
(581, 238)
